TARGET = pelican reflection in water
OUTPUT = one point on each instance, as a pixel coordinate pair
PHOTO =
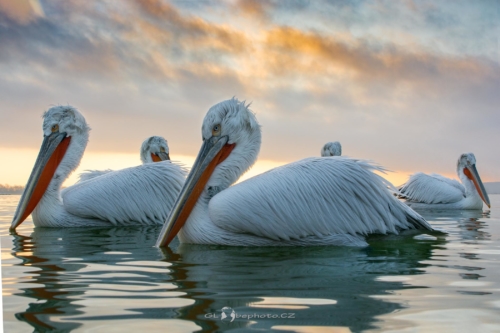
(115, 278)
(64, 270)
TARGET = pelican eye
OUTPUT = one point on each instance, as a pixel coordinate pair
(216, 130)
(162, 149)
(55, 128)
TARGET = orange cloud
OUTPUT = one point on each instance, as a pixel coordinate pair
(193, 31)
(254, 8)
(22, 11)
(313, 51)
(320, 62)
(298, 43)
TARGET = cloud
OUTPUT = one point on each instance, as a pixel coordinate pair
(295, 51)
(21, 11)
(157, 42)
(188, 31)
(370, 75)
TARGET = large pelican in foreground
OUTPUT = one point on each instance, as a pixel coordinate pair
(331, 149)
(315, 201)
(139, 195)
(153, 149)
(435, 191)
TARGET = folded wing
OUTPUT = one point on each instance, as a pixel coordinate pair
(432, 189)
(89, 174)
(143, 194)
(314, 196)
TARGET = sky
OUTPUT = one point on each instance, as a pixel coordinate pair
(408, 84)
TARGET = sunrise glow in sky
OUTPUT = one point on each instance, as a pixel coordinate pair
(408, 84)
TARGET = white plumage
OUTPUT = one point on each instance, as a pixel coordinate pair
(153, 147)
(432, 189)
(89, 174)
(315, 201)
(139, 195)
(435, 191)
(331, 149)
(313, 197)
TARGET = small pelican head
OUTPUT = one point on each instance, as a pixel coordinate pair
(466, 159)
(331, 149)
(467, 164)
(154, 149)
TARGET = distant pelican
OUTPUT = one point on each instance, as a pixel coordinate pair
(436, 191)
(139, 195)
(315, 201)
(153, 149)
(331, 149)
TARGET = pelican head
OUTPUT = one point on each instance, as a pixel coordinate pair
(466, 165)
(331, 149)
(64, 128)
(231, 142)
(154, 149)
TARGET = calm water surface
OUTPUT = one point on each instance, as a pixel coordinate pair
(114, 280)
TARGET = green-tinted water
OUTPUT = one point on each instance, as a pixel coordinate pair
(114, 280)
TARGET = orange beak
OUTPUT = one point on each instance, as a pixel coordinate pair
(51, 153)
(473, 175)
(158, 157)
(212, 153)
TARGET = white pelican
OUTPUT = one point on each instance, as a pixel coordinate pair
(139, 195)
(153, 149)
(435, 191)
(331, 149)
(315, 201)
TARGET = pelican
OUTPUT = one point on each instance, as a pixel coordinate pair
(331, 149)
(314, 201)
(141, 195)
(435, 191)
(153, 149)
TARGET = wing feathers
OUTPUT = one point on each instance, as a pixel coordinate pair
(139, 195)
(432, 189)
(313, 197)
(89, 174)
